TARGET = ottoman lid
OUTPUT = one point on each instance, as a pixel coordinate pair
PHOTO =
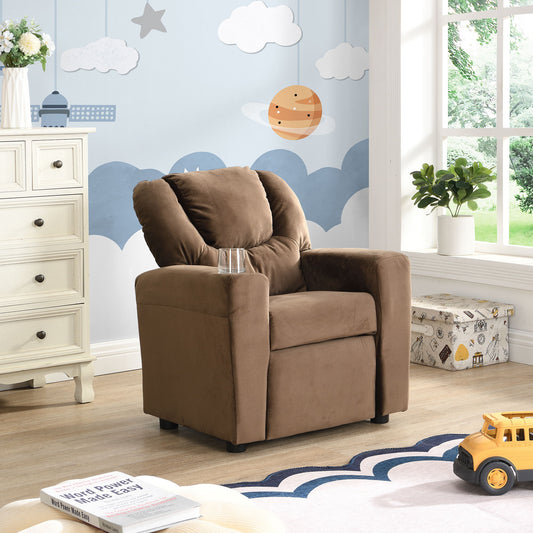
(451, 308)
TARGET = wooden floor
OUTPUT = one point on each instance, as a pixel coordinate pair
(45, 437)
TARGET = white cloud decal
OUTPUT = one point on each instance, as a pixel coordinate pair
(352, 232)
(252, 27)
(113, 272)
(103, 55)
(345, 61)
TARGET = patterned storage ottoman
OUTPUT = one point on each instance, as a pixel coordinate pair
(454, 332)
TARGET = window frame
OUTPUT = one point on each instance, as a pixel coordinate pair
(502, 132)
(403, 134)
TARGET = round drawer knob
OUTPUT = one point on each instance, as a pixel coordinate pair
(39, 222)
(58, 163)
(39, 278)
(41, 334)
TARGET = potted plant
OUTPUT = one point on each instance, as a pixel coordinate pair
(460, 184)
(21, 44)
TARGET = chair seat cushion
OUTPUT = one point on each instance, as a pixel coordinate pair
(316, 316)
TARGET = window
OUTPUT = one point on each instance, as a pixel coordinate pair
(487, 112)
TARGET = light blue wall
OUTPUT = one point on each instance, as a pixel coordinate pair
(181, 108)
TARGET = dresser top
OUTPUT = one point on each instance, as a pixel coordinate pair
(13, 132)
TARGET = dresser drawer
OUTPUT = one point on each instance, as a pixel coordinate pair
(12, 167)
(43, 220)
(57, 164)
(40, 333)
(41, 277)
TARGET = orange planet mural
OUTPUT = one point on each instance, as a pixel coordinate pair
(295, 112)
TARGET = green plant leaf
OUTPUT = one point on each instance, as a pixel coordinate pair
(480, 193)
(428, 200)
(472, 205)
(459, 184)
(439, 188)
(461, 193)
(446, 176)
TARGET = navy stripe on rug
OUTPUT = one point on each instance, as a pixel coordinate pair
(380, 471)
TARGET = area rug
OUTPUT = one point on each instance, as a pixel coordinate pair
(409, 489)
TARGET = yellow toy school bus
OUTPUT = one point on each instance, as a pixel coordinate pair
(500, 454)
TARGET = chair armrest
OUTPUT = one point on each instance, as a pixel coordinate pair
(199, 288)
(205, 336)
(386, 276)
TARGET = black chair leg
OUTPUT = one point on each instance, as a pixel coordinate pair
(235, 448)
(167, 424)
(380, 419)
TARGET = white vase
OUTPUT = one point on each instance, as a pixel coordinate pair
(456, 235)
(16, 110)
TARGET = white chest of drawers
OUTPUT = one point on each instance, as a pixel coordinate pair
(44, 291)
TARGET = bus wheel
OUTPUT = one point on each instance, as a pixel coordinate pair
(497, 478)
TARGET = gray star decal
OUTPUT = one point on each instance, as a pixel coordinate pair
(150, 20)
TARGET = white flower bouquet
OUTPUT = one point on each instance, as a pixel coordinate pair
(22, 44)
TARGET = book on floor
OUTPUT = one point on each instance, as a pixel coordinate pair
(118, 503)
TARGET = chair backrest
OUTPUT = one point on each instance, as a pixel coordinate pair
(187, 217)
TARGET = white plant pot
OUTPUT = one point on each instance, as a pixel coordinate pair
(456, 235)
(16, 111)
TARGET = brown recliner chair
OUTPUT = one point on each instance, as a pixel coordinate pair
(303, 340)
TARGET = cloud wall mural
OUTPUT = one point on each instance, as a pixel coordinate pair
(110, 191)
(252, 27)
(344, 61)
(183, 86)
(103, 55)
(323, 193)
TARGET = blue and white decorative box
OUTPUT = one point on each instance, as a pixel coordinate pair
(455, 333)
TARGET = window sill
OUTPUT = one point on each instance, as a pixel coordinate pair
(490, 269)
